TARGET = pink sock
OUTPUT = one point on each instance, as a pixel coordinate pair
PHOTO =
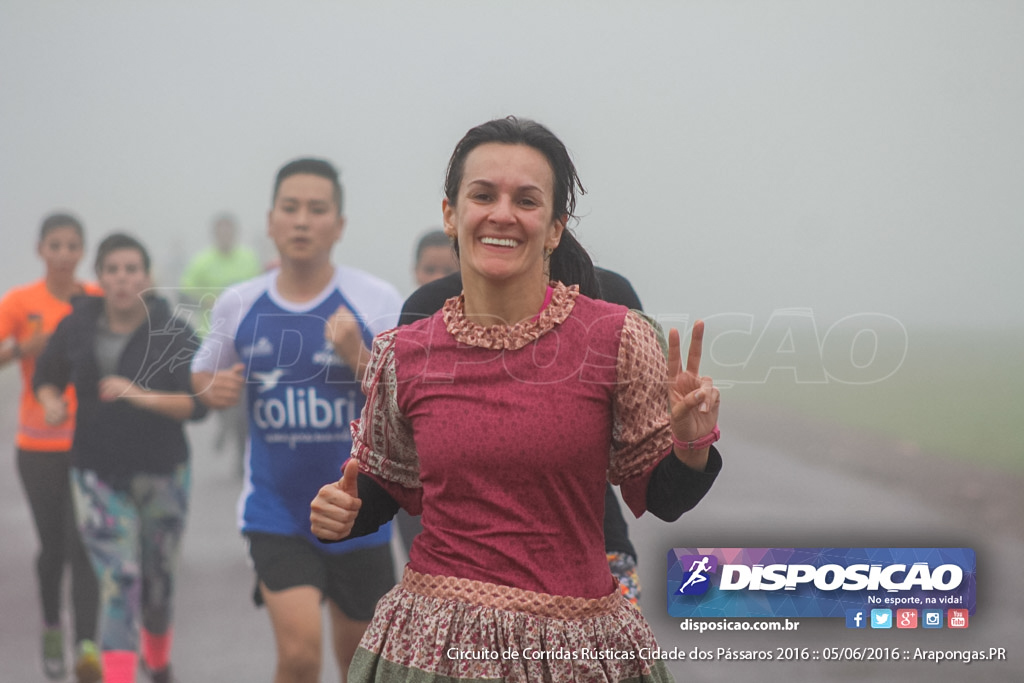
(119, 666)
(156, 649)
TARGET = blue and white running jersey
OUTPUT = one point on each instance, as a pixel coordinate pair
(301, 397)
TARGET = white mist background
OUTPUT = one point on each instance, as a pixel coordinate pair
(827, 159)
(739, 157)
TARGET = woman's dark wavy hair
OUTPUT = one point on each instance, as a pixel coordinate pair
(570, 262)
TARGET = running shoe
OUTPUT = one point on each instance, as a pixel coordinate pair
(87, 666)
(53, 654)
(161, 676)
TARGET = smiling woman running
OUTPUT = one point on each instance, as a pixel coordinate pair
(499, 419)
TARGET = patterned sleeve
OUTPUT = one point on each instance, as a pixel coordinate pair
(382, 439)
(641, 434)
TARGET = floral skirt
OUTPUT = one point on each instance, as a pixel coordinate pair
(443, 629)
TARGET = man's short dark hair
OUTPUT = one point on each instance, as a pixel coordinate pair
(116, 241)
(310, 166)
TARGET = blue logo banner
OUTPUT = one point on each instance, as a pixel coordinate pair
(818, 582)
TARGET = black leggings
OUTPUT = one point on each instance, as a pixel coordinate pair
(46, 478)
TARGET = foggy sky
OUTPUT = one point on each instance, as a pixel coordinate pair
(739, 157)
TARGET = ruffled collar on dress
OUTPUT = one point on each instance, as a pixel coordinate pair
(509, 337)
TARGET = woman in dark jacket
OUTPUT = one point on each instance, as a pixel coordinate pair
(128, 358)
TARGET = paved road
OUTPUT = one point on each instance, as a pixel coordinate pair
(768, 499)
(764, 498)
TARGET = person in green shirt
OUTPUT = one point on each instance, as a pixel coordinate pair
(220, 265)
(224, 263)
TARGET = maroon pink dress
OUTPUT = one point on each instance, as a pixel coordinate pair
(503, 438)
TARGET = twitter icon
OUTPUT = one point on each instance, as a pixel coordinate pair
(881, 618)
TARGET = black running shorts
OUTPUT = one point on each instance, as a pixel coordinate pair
(354, 581)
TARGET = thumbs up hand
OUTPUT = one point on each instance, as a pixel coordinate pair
(334, 510)
(347, 483)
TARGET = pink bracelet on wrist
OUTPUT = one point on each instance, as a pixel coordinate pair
(697, 444)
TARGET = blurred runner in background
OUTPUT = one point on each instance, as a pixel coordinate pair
(28, 316)
(222, 264)
(128, 359)
(435, 257)
(295, 341)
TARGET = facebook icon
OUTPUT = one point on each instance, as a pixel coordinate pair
(856, 618)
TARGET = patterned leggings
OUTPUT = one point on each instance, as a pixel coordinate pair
(133, 537)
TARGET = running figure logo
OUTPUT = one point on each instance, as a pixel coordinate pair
(696, 580)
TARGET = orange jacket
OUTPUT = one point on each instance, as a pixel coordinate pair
(24, 312)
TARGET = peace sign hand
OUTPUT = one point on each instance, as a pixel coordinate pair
(694, 399)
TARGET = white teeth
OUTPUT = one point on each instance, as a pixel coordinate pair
(499, 242)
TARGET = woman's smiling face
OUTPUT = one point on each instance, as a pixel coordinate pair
(503, 216)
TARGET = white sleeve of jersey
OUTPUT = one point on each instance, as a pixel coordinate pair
(218, 349)
(378, 302)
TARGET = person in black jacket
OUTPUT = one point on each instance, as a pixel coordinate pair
(128, 359)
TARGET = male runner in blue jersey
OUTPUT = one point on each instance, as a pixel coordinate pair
(295, 342)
